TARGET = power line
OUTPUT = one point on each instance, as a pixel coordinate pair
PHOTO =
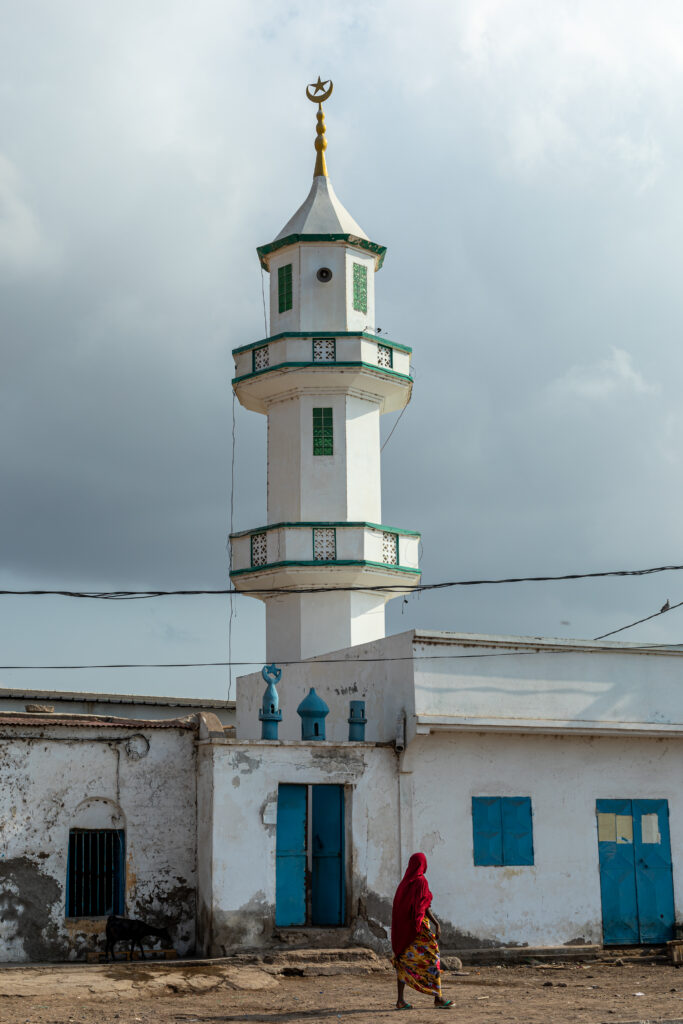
(134, 595)
(640, 649)
(662, 611)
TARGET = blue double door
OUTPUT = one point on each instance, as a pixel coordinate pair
(636, 880)
(309, 863)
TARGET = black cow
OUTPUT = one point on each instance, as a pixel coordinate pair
(124, 929)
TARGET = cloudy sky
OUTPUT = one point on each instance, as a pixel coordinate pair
(522, 162)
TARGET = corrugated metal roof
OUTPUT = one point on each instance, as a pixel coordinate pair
(17, 693)
(95, 722)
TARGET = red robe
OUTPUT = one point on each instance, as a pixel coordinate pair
(411, 902)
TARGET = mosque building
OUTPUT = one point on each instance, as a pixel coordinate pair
(539, 776)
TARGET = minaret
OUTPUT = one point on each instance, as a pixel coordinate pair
(323, 378)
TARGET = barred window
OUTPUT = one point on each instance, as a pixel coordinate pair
(324, 350)
(360, 287)
(260, 358)
(390, 548)
(284, 288)
(259, 548)
(385, 356)
(324, 545)
(95, 872)
(323, 438)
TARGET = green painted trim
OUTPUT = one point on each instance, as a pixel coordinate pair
(339, 525)
(323, 560)
(323, 366)
(339, 561)
(323, 334)
(378, 251)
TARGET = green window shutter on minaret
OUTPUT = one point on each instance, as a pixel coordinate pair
(360, 288)
(284, 288)
(323, 438)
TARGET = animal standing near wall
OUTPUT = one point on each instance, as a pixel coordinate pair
(124, 929)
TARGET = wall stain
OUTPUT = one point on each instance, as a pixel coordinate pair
(31, 907)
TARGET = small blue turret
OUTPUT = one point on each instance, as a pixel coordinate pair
(270, 714)
(357, 721)
(312, 711)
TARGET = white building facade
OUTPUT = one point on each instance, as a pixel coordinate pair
(540, 777)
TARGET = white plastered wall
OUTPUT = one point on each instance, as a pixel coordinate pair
(244, 781)
(320, 305)
(380, 673)
(58, 778)
(557, 900)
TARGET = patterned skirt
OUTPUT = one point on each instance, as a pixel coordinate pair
(419, 965)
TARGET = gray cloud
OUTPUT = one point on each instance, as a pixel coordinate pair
(522, 163)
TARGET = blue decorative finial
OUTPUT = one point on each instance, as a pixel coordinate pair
(357, 721)
(270, 714)
(312, 712)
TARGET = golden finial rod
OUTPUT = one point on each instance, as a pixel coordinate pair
(321, 91)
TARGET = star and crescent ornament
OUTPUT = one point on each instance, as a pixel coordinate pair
(319, 87)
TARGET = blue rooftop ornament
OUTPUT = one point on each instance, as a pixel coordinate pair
(312, 712)
(357, 721)
(270, 714)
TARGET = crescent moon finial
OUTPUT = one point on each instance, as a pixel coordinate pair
(318, 92)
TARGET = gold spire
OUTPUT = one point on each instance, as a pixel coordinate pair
(321, 92)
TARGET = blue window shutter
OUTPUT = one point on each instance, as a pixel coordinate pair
(518, 844)
(487, 832)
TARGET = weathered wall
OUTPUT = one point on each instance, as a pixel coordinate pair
(380, 673)
(241, 781)
(570, 683)
(57, 777)
(557, 900)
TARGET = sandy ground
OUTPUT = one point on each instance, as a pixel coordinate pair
(186, 994)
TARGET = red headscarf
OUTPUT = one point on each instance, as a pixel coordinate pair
(411, 902)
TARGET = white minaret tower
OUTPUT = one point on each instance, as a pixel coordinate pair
(323, 378)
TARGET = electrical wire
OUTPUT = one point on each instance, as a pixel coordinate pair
(402, 588)
(639, 649)
(662, 611)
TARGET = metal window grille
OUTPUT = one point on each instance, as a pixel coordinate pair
(324, 545)
(323, 434)
(260, 358)
(95, 872)
(360, 287)
(284, 288)
(324, 350)
(259, 548)
(385, 356)
(390, 548)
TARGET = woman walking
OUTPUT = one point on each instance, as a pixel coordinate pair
(415, 945)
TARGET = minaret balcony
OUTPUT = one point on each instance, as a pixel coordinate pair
(295, 552)
(363, 363)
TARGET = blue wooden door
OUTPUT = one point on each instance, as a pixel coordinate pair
(327, 880)
(635, 871)
(290, 856)
(617, 872)
(654, 881)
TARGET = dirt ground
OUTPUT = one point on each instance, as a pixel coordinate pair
(186, 994)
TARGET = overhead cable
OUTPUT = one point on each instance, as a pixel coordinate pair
(404, 588)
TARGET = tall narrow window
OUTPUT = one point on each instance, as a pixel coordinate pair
(323, 439)
(95, 872)
(284, 288)
(360, 287)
